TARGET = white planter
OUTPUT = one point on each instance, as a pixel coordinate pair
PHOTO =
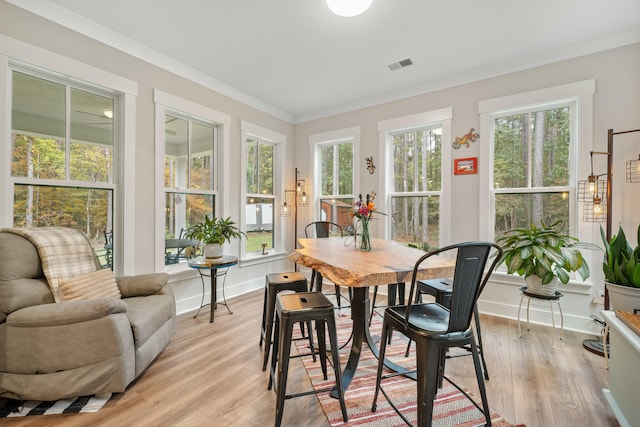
(212, 250)
(534, 285)
(624, 298)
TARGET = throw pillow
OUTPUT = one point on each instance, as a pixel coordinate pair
(96, 284)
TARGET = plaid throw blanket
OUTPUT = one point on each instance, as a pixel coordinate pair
(64, 252)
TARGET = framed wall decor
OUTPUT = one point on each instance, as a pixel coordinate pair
(465, 166)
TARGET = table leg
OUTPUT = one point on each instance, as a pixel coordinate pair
(214, 292)
(360, 307)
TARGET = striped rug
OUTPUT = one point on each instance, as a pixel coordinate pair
(451, 408)
(15, 408)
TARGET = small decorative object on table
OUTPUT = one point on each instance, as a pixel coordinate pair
(363, 210)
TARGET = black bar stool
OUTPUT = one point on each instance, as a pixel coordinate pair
(275, 283)
(303, 307)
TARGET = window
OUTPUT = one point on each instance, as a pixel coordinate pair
(260, 198)
(62, 164)
(538, 145)
(189, 179)
(335, 175)
(417, 205)
(262, 157)
(191, 150)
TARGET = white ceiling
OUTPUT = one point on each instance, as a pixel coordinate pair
(298, 61)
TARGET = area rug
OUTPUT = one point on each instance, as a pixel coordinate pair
(451, 407)
(16, 408)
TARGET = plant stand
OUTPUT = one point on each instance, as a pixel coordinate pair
(547, 298)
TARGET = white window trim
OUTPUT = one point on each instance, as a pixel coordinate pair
(316, 141)
(165, 101)
(581, 94)
(279, 141)
(29, 56)
(385, 127)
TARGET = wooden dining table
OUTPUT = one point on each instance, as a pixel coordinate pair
(389, 262)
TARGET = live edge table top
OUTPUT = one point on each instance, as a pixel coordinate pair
(388, 262)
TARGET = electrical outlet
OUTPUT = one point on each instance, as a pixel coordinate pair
(599, 298)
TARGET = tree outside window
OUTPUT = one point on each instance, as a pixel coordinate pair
(531, 174)
(336, 183)
(63, 164)
(260, 196)
(416, 186)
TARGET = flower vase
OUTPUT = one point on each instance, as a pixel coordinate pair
(365, 237)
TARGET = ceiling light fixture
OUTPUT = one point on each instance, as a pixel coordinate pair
(348, 8)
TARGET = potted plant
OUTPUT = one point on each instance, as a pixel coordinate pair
(543, 256)
(621, 269)
(213, 232)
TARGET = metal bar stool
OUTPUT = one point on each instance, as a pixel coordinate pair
(275, 283)
(555, 298)
(303, 307)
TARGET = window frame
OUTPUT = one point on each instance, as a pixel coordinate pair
(430, 119)
(35, 60)
(166, 103)
(579, 96)
(278, 141)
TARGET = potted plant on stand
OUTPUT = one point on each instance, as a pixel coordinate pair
(621, 269)
(212, 233)
(543, 256)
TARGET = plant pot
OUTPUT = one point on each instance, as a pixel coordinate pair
(625, 298)
(212, 250)
(534, 285)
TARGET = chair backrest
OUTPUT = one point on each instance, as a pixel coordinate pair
(469, 278)
(322, 229)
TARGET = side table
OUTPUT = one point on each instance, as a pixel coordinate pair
(555, 298)
(213, 265)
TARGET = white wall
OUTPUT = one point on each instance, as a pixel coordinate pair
(616, 105)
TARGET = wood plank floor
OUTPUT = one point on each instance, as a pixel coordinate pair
(210, 375)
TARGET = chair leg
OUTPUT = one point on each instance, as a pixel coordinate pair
(476, 317)
(335, 354)
(338, 298)
(271, 308)
(373, 303)
(322, 346)
(264, 316)
(284, 350)
(383, 348)
(427, 383)
(481, 387)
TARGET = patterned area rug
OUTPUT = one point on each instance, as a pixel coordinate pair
(451, 408)
(15, 408)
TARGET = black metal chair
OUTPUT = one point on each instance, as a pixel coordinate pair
(442, 289)
(303, 307)
(322, 230)
(435, 328)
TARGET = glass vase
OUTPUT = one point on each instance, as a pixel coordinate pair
(365, 236)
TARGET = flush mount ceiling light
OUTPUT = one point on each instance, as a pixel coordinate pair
(348, 8)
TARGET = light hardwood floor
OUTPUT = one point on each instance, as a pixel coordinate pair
(210, 375)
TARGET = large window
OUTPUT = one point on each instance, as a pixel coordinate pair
(531, 171)
(418, 169)
(62, 163)
(336, 182)
(189, 180)
(538, 145)
(416, 186)
(260, 196)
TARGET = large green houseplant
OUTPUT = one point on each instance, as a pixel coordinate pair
(621, 267)
(543, 253)
(213, 232)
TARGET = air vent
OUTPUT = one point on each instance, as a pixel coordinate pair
(400, 64)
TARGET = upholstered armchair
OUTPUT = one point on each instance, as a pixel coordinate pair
(51, 350)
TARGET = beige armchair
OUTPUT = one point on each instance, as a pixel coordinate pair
(51, 350)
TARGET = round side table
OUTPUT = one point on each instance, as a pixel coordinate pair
(213, 264)
(551, 299)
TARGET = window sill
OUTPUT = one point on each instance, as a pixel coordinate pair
(573, 287)
(255, 258)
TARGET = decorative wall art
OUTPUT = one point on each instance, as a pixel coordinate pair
(466, 140)
(370, 166)
(466, 166)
